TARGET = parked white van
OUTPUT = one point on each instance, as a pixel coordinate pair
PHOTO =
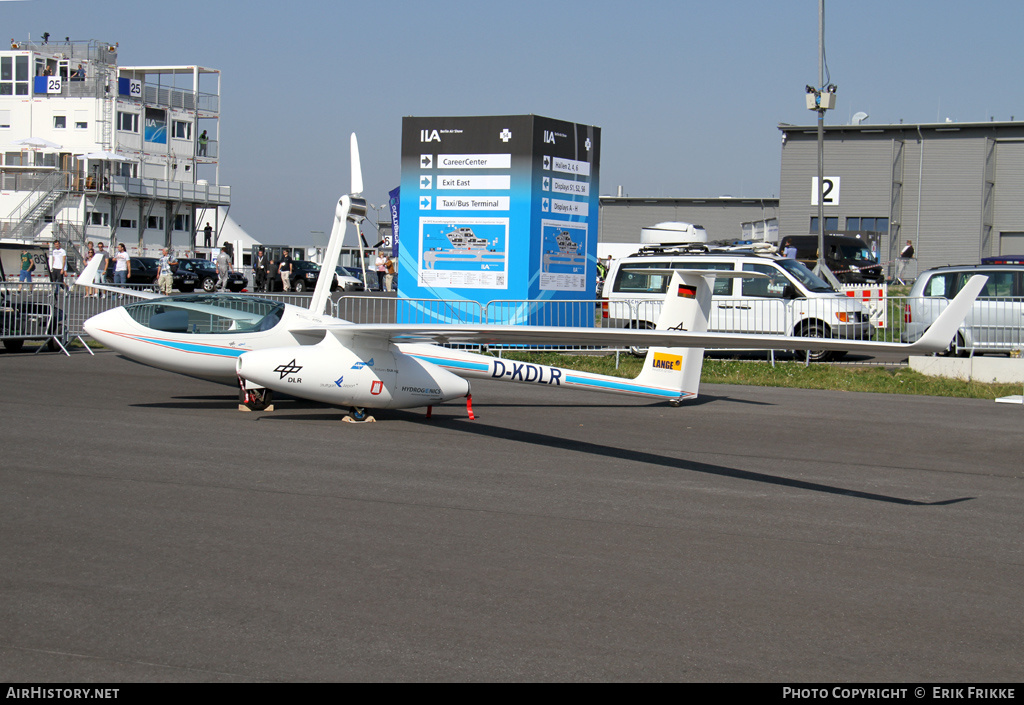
(791, 300)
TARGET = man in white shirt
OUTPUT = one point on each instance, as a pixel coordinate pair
(58, 266)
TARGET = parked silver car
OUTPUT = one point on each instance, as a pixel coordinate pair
(995, 321)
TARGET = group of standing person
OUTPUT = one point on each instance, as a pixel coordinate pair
(265, 270)
(57, 262)
(387, 270)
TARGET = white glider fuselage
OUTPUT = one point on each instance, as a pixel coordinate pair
(310, 356)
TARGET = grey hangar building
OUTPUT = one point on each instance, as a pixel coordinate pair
(955, 190)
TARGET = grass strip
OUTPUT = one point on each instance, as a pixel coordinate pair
(878, 379)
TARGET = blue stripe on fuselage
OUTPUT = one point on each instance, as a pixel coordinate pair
(624, 386)
(194, 348)
(454, 364)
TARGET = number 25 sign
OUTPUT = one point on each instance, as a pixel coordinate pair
(829, 191)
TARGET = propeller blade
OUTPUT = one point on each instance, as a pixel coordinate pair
(357, 172)
(322, 291)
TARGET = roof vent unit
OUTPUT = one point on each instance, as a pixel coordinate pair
(673, 234)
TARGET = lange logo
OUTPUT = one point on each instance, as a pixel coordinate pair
(667, 362)
(288, 369)
(360, 365)
(339, 380)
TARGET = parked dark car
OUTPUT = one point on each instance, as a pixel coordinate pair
(304, 277)
(206, 274)
(143, 271)
(848, 257)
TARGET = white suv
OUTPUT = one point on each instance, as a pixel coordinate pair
(791, 300)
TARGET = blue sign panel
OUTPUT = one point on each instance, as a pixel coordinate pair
(499, 209)
(129, 87)
(156, 126)
(393, 203)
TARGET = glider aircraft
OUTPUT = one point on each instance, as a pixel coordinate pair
(263, 345)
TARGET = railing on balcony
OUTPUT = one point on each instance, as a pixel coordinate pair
(183, 99)
(170, 190)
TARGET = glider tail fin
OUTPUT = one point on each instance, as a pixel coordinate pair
(687, 306)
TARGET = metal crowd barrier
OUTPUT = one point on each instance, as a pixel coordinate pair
(384, 309)
(34, 312)
(54, 315)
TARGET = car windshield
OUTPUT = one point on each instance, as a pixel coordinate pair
(854, 252)
(207, 313)
(810, 280)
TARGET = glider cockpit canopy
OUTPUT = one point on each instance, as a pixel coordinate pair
(207, 313)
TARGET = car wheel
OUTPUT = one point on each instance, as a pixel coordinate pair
(299, 286)
(957, 347)
(209, 284)
(636, 351)
(816, 330)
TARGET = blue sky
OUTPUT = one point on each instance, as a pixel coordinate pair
(688, 95)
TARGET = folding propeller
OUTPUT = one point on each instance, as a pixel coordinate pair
(351, 207)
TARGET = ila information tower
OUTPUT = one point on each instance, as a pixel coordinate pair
(498, 209)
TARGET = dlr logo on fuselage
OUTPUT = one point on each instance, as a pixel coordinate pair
(429, 136)
(525, 372)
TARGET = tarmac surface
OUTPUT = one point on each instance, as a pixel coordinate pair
(152, 532)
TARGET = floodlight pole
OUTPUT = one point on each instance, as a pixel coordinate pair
(821, 138)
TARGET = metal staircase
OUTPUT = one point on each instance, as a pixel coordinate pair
(29, 216)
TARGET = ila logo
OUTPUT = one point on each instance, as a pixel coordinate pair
(549, 137)
(429, 136)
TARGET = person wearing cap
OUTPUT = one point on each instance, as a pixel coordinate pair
(165, 272)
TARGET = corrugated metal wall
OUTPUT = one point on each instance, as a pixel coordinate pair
(1008, 219)
(951, 188)
(965, 191)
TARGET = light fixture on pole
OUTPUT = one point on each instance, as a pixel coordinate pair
(819, 100)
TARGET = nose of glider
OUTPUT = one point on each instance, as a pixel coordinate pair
(103, 326)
